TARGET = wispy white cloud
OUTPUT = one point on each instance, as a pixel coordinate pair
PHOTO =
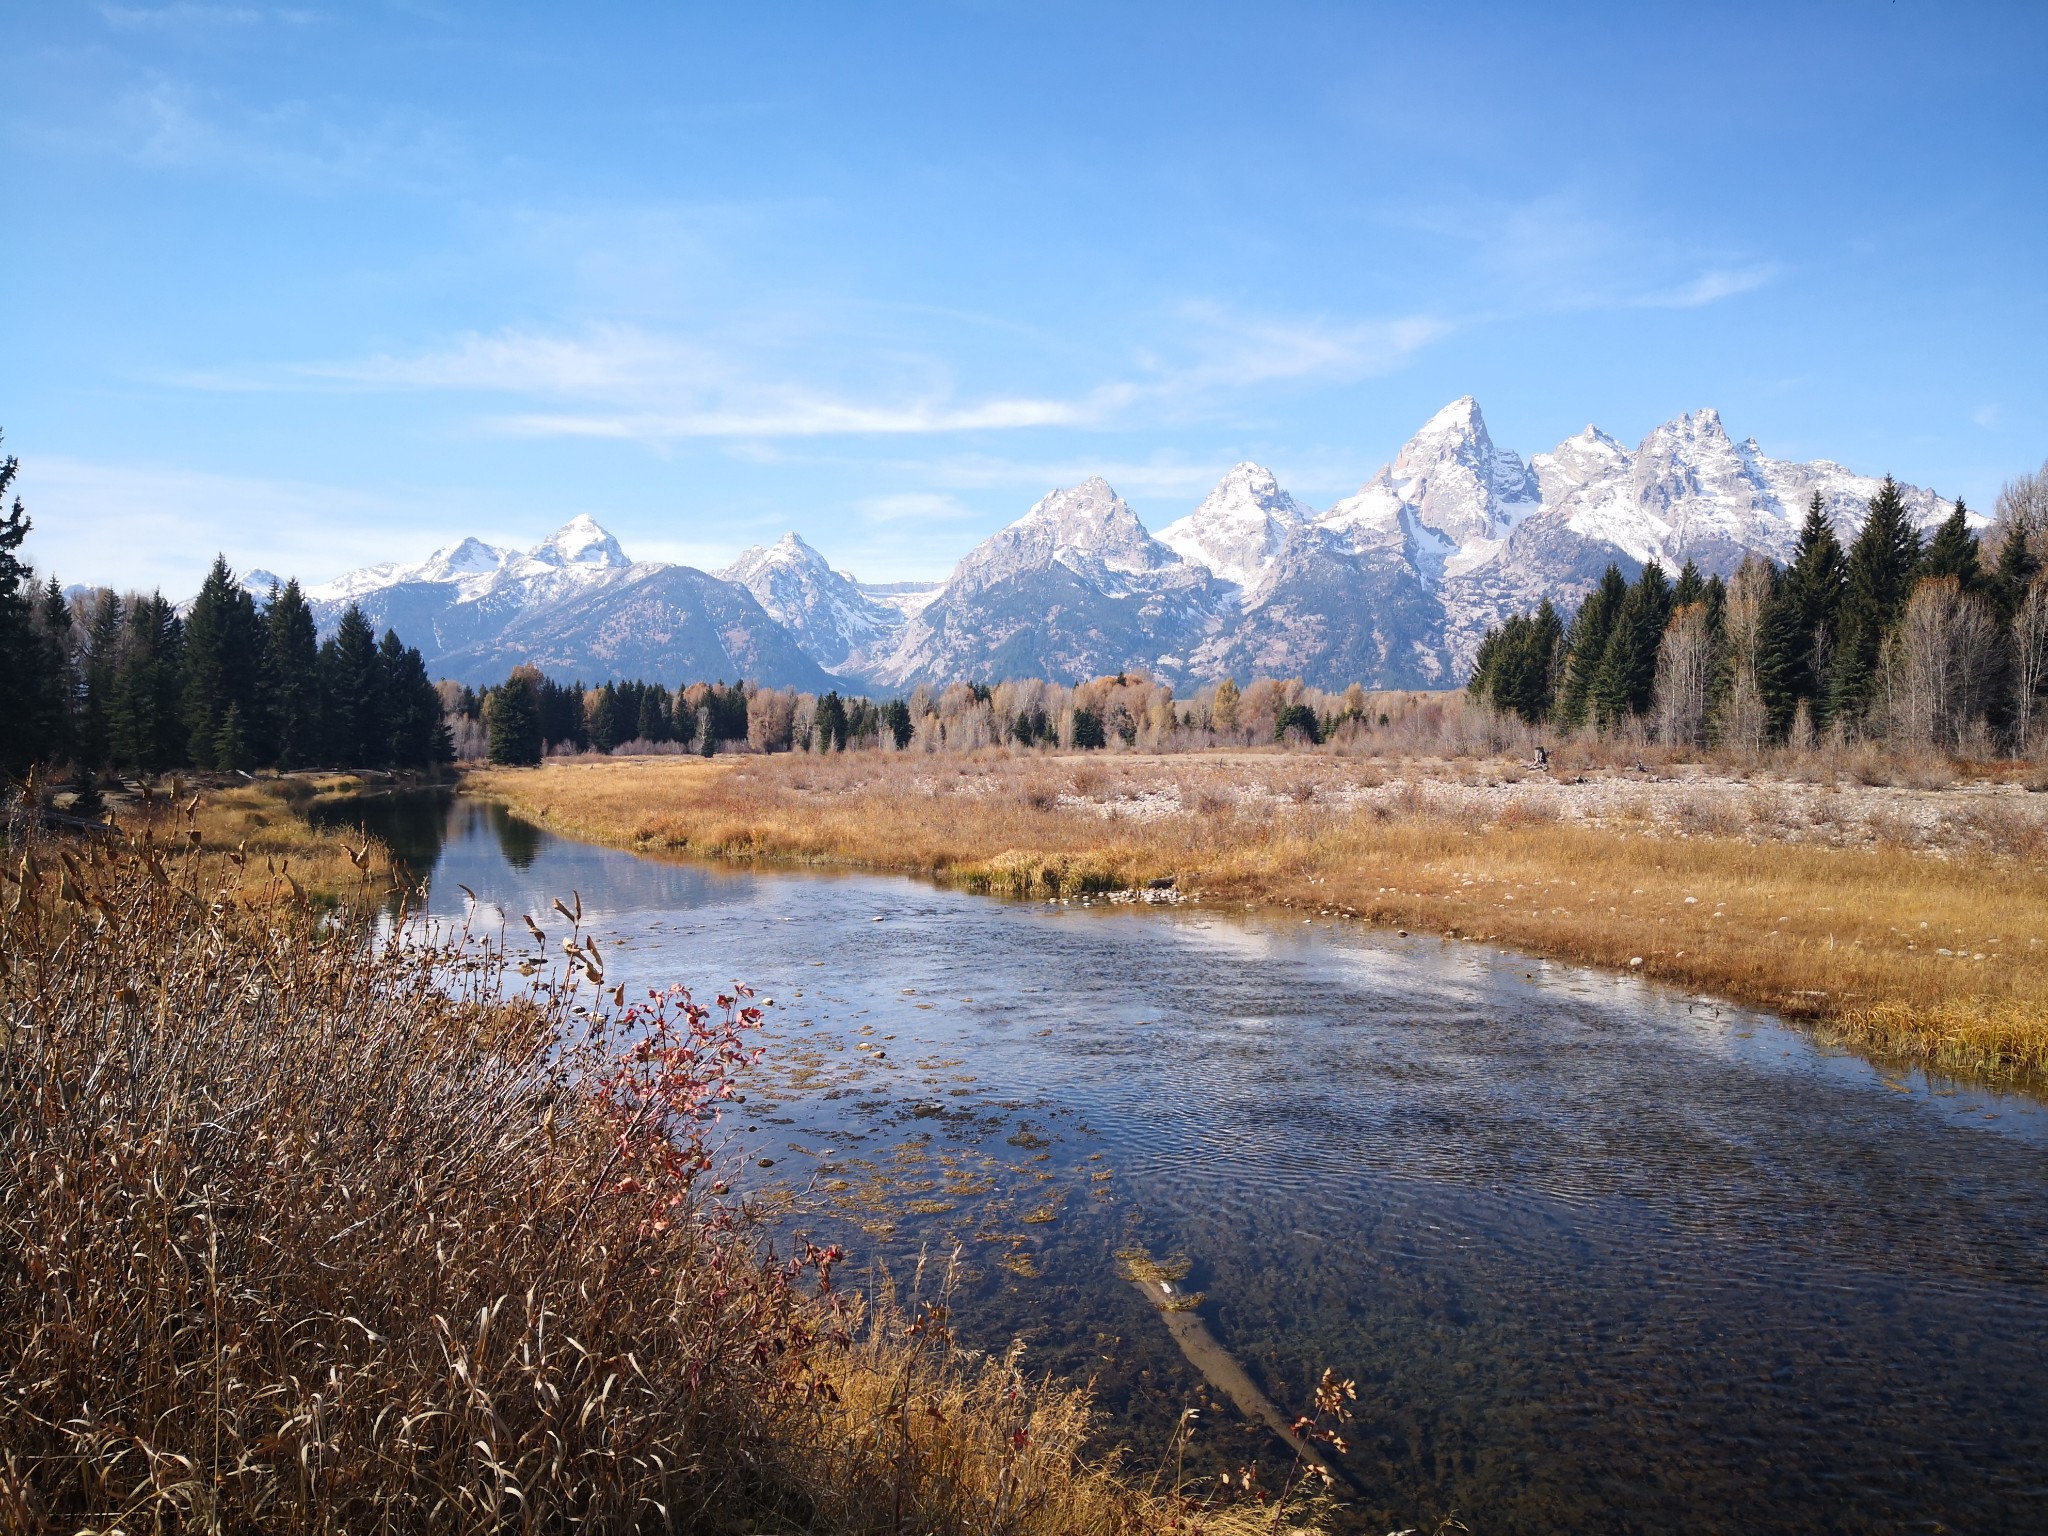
(1234, 349)
(165, 122)
(136, 18)
(1717, 283)
(1569, 250)
(633, 383)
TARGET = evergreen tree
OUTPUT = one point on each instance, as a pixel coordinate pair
(831, 723)
(102, 669)
(653, 714)
(148, 726)
(221, 662)
(1586, 645)
(1881, 568)
(1954, 551)
(1626, 677)
(599, 707)
(21, 684)
(1785, 652)
(1812, 590)
(416, 735)
(2012, 573)
(513, 709)
(1516, 664)
(56, 665)
(1690, 588)
(291, 679)
(231, 741)
(896, 716)
(352, 694)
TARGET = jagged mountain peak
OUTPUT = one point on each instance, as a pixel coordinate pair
(832, 619)
(1449, 479)
(789, 552)
(1240, 528)
(1088, 523)
(580, 541)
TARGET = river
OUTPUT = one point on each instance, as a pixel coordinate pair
(1599, 1256)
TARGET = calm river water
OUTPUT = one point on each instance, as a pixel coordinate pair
(1600, 1256)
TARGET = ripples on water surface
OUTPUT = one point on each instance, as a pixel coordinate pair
(1600, 1257)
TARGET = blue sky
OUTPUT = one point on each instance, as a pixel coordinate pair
(325, 284)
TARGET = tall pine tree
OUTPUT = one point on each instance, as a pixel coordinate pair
(148, 718)
(1627, 674)
(352, 694)
(1811, 589)
(102, 670)
(222, 659)
(1586, 645)
(417, 736)
(1882, 565)
(23, 738)
(291, 678)
(1954, 551)
(513, 719)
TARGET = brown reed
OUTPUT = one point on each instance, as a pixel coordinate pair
(304, 1229)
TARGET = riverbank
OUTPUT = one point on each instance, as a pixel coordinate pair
(1907, 923)
(501, 1298)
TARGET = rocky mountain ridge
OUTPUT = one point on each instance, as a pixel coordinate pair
(1392, 586)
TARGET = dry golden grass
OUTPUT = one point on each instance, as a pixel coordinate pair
(304, 1233)
(1934, 955)
(263, 823)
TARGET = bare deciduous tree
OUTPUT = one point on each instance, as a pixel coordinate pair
(2029, 663)
(1938, 667)
(2022, 509)
(1685, 663)
(1743, 720)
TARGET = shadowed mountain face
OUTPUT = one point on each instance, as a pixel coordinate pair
(1393, 586)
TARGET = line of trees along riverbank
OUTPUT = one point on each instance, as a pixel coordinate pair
(1940, 645)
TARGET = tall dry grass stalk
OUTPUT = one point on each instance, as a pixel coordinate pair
(1936, 954)
(304, 1232)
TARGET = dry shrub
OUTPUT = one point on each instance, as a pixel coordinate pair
(2004, 829)
(1040, 794)
(1299, 788)
(309, 1232)
(1769, 815)
(1532, 810)
(1704, 814)
(1891, 827)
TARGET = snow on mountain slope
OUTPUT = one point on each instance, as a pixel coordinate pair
(1450, 491)
(1241, 528)
(1074, 587)
(833, 619)
(1394, 585)
(1087, 529)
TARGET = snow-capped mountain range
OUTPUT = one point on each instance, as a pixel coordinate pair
(1393, 586)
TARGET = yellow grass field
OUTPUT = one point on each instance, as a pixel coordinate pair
(1912, 925)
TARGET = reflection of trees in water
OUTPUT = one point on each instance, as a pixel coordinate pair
(414, 826)
(518, 840)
